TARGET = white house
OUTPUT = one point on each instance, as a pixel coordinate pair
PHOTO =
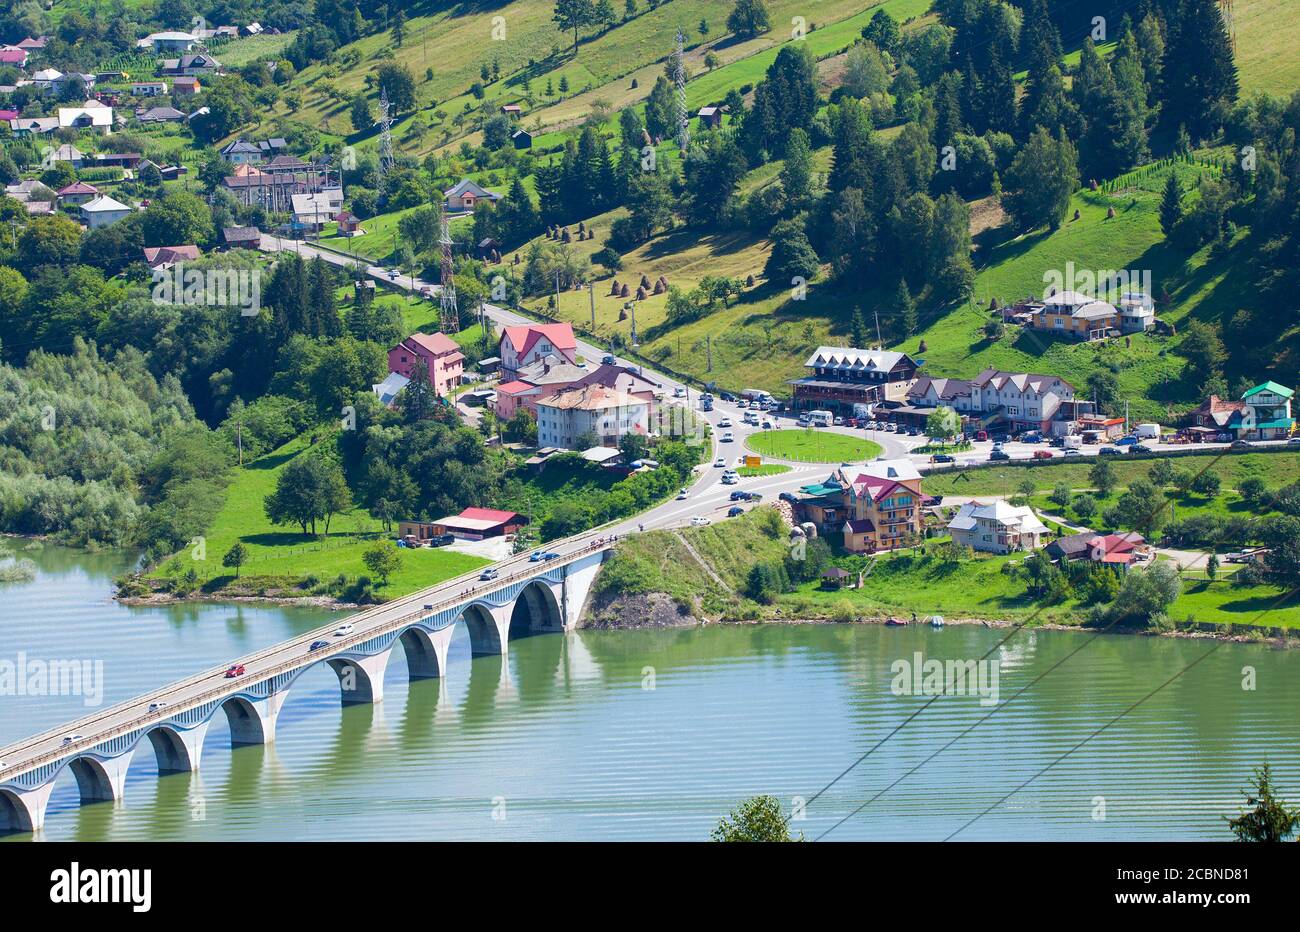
(102, 211)
(465, 194)
(607, 414)
(998, 527)
(526, 344)
(1137, 312)
(1025, 399)
(98, 118)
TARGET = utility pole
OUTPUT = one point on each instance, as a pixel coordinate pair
(876, 311)
(708, 349)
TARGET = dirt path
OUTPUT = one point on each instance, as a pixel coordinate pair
(700, 560)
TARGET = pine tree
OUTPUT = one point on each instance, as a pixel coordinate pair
(857, 329)
(1200, 77)
(905, 309)
(1171, 205)
(796, 172)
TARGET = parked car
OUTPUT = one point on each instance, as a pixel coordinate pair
(999, 455)
(1294, 440)
(234, 670)
(317, 645)
(788, 497)
(943, 458)
(1140, 448)
(1109, 451)
(699, 521)
(1042, 454)
(491, 573)
(442, 540)
(734, 511)
(932, 500)
(343, 630)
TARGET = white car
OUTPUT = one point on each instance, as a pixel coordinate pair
(679, 392)
(699, 521)
(720, 462)
(155, 706)
(728, 437)
(725, 422)
(682, 495)
(342, 630)
(68, 739)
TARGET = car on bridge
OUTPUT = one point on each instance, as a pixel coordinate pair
(550, 555)
(234, 670)
(537, 556)
(343, 630)
(155, 706)
(317, 645)
(68, 739)
(491, 572)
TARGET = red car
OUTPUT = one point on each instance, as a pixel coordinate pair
(1042, 454)
(235, 669)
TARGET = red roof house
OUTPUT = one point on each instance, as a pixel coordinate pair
(478, 523)
(77, 193)
(164, 257)
(442, 359)
(526, 344)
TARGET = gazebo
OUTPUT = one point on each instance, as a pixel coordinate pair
(835, 578)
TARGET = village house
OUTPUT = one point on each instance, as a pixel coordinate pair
(77, 193)
(1262, 413)
(240, 152)
(551, 375)
(514, 111)
(710, 117)
(875, 507)
(1077, 315)
(190, 65)
(1124, 550)
(117, 159)
(241, 237)
(149, 89)
(606, 414)
(160, 115)
(349, 224)
(14, 56)
(442, 358)
(522, 139)
(462, 197)
(103, 211)
(164, 257)
(68, 153)
(998, 527)
(840, 377)
(470, 524)
(1137, 312)
(168, 42)
(1024, 399)
(185, 85)
(93, 116)
(388, 390)
(313, 211)
(525, 344)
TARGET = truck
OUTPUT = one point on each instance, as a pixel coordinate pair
(756, 394)
(1148, 431)
(1071, 442)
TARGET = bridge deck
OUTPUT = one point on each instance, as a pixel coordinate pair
(285, 657)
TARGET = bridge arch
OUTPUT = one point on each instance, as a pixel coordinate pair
(535, 611)
(174, 754)
(361, 679)
(100, 780)
(486, 637)
(246, 724)
(425, 657)
(14, 815)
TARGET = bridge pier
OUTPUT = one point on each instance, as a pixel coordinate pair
(426, 651)
(178, 750)
(361, 679)
(24, 810)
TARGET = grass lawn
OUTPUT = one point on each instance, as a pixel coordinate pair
(812, 446)
(284, 555)
(1276, 469)
(767, 469)
(1223, 603)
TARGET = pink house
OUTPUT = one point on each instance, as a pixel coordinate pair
(442, 357)
(526, 344)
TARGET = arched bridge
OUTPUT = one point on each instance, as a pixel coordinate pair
(174, 719)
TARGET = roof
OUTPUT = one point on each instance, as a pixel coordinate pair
(103, 204)
(590, 398)
(77, 187)
(1021, 381)
(944, 389)
(897, 470)
(162, 255)
(241, 234)
(601, 454)
(1273, 387)
(515, 388)
(154, 114)
(96, 115)
(1072, 544)
(1017, 517)
(239, 145)
(551, 370)
(854, 360)
(437, 344)
(469, 186)
(835, 572)
(523, 337)
(390, 387)
(859, 526)
(489, 515)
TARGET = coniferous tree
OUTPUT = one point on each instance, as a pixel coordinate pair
(1171, 205)
(1200, 77)
(796, 172)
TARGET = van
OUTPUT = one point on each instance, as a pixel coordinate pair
(821, 418)
(1071, 442)
(1148, 431)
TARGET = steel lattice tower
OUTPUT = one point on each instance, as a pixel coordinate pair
(449, 320)
(385, 122)
(679, 79)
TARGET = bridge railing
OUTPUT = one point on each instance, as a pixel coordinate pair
(341, 645)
